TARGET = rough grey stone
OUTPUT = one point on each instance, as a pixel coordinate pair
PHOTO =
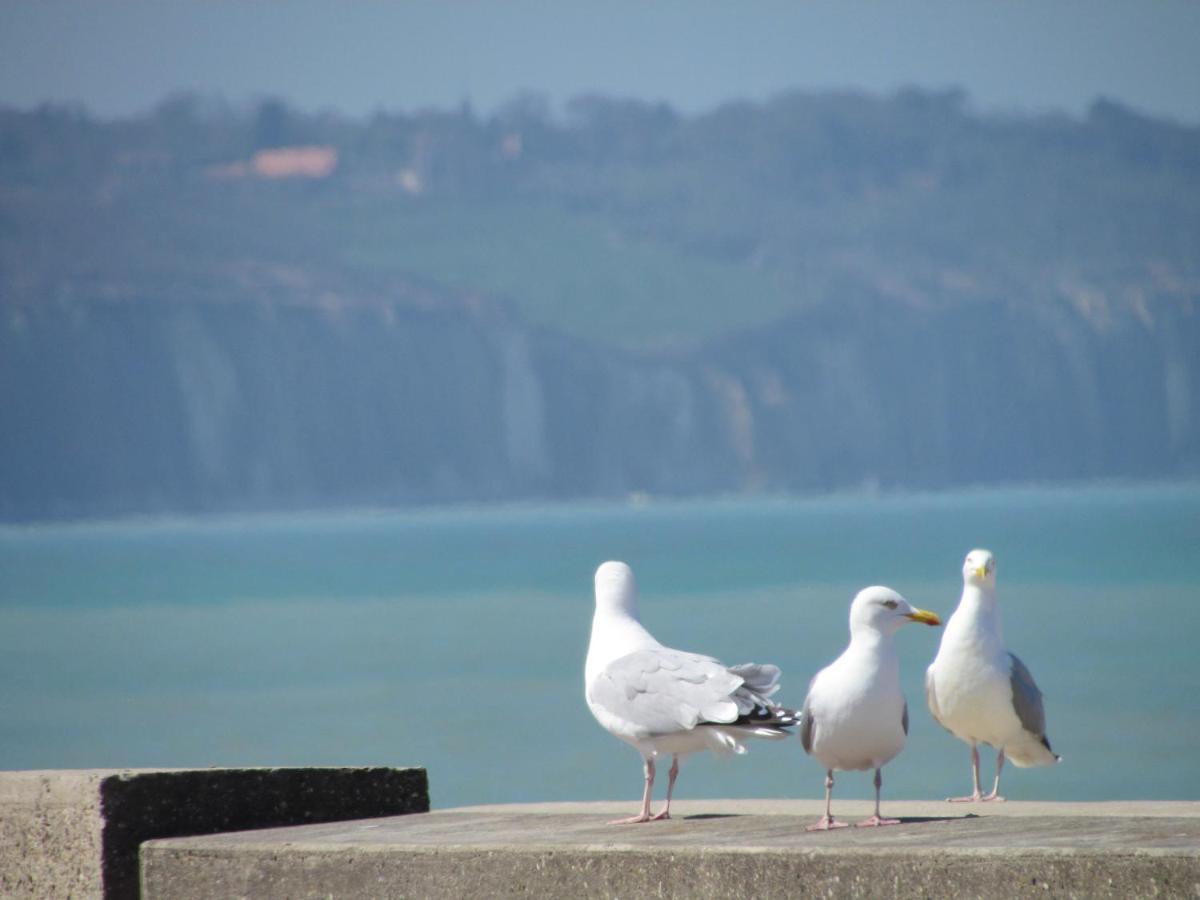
(713, 849)
(77, 833)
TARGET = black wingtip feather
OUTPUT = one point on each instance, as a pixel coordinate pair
(765, 717)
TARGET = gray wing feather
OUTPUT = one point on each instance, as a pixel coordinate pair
(806, 727)
(904, 718)
(761, 678)
(662, 691)
(1027, 699)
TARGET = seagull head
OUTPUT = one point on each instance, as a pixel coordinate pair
(883, 610)
(979, 569)
(616, 589)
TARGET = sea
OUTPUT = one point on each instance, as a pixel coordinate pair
(454, 638)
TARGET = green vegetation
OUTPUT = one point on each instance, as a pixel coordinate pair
(577, 273)
(813, 293)
(622, 222)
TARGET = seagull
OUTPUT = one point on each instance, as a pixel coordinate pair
(664, 701)
(855, 716)
(978, 691)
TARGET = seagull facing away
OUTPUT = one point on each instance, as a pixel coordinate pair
(855, 716)
(664, 701)
(978, 691)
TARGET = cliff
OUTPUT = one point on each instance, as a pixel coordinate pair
(205, 309)
(123, 407)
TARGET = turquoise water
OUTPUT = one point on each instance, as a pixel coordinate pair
(455, 639)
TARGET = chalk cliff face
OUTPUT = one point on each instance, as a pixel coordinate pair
(121, 407)
(204, 308)
(974, 394)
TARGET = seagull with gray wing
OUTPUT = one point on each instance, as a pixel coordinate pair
(663, 701)
(855, 716)
(979, 691)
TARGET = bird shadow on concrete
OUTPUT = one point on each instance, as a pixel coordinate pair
(911, 820)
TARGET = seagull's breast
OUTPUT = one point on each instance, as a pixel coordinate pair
(857, 710)
(971, 682)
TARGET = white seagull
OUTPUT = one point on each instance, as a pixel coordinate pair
(855, 716)
(980, 692)
(664, 701)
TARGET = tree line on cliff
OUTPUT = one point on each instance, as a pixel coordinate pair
(207, 307)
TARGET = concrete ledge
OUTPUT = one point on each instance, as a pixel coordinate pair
(711, 849)
(76, 833)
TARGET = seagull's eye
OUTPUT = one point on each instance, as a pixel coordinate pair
(890, 604)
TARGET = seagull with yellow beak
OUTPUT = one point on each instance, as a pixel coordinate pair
(855, 716)
(978, 691)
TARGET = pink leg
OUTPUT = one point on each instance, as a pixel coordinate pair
(875, 820)
(976, 795)
(826, 822)
(644, 815)
(671, 776)
(995, 794)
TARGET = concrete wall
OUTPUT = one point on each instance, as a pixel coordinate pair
(121, 834)
(712, 849)
(77, 833)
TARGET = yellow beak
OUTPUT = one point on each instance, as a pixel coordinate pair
(925, 617)
(981, 572)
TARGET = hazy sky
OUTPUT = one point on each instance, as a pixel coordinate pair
(122, 57)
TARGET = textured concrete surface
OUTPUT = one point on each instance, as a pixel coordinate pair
(50, 834)
(710, 849)
(76, 834)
